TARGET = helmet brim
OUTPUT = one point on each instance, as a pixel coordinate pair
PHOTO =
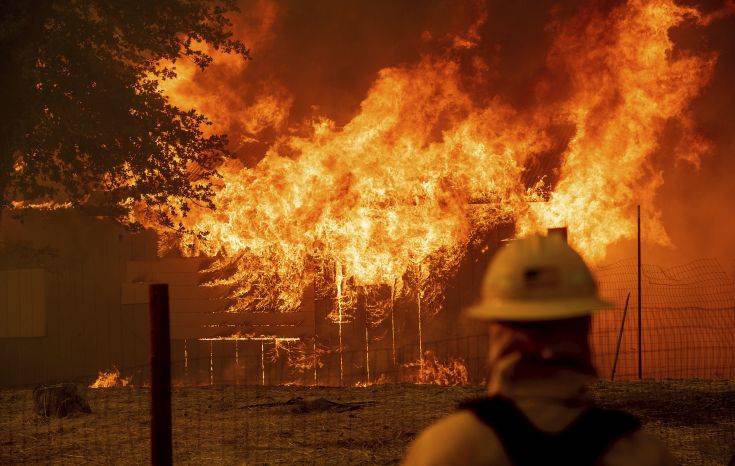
(536, 310)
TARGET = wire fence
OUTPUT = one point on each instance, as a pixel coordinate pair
(271, 402)
(254, 413)
(687, 331)
(687, 321)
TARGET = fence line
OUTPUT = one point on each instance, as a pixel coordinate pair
(238, 401)
(688, 332)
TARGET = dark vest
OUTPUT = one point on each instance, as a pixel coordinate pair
(583, 442)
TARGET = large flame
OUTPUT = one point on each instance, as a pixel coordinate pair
(627, 87)
(422, 166)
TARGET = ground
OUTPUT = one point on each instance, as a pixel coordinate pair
(255, 425)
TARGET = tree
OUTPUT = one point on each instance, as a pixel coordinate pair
(83, 119)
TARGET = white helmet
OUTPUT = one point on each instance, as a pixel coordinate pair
(537, 278)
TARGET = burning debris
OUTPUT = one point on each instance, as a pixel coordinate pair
(292, 347)
(431, 371)
(110, 379)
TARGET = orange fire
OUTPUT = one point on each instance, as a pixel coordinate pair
(110, 379)
(393, 196)
(375, 197)
(431, 371)
(422, 166)
(626, 90)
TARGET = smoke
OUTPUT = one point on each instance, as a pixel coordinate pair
(320, 60)
(696, 199)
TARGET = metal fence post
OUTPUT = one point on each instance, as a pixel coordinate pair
(160, 352)
(620, 338)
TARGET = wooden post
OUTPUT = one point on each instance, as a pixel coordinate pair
(393, 324)
(421, 333)
(315, 355)
(262, 362)
(363, 301)
(620, 337)
(338, 283)
(211, 364)
(640, 338)
(160, 353)
(237, 363)
(394, 359)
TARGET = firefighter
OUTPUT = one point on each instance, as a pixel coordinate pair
(537, 295)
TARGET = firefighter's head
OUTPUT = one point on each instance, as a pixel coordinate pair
(538, 295)
(538, 278)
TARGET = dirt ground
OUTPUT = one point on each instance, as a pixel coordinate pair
(258, 425)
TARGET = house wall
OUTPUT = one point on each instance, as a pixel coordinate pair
(73, 301)
(82, 262)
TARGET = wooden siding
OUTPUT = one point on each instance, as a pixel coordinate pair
(22, 303)
(201, 311)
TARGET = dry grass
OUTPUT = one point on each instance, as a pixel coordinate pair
(221, 425)
(696, 419)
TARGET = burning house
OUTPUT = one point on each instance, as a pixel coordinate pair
(349, 232)
(77, 304)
